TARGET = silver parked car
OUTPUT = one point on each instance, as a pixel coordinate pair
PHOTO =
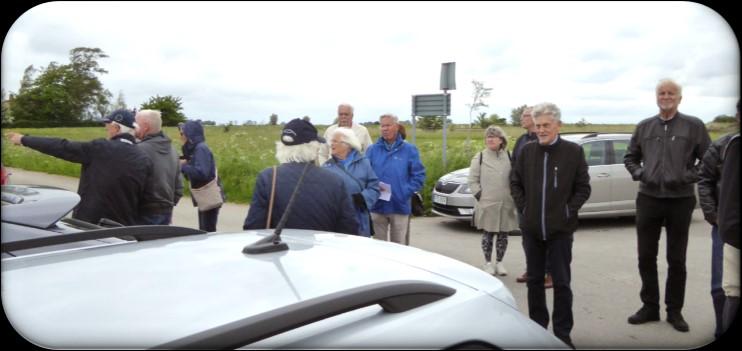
(613, 191)
(170, 287)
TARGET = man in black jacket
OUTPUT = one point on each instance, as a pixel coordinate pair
(662, 156)
(708, 194)
(548, 189)
(728, 220)
(114, 171)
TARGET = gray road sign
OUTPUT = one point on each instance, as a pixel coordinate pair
(431, 105)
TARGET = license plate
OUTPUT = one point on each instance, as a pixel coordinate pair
(466, 211)
(439, 199)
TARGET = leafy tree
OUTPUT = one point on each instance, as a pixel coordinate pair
(170, 107)
(273, 119)
(432, 122)
(515, 115)
(7, 117)
(120, 102)
(482, 120)
(480, 93)
(62, 94)
(496, 120)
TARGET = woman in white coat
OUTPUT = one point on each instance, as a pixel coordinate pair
(494, 210)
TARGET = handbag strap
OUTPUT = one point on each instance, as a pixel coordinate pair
(273, 195)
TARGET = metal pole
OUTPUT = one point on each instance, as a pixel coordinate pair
(445, 124)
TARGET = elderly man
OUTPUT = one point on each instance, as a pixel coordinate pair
(114, 171)
(526, 122)
(322, 201)
(345, 119)
(549, 184)
(165, 187)
(662, 156)
(401, 173)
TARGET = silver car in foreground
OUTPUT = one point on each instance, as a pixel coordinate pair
(171, 287)
(613, 191)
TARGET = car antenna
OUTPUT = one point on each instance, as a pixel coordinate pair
(273, 243)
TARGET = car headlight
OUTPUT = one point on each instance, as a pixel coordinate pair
(464, 189)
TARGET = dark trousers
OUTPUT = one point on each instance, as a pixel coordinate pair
(651, 214)
(717, 270)
(557, 251)
(207, 219)
(523, 242)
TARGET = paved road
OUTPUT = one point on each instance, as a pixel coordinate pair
(605, 277)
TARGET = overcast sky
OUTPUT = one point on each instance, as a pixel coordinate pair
(244, 61)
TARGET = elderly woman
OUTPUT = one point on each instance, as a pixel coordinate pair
(199, 167)
(494, 210)
(361, 182)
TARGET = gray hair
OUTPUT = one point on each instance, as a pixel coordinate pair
(153, 118)
(668, 81)
(496, 131)
(349, 137)
(346, 105)
(389, 115)
(547, 108)
(306, 152)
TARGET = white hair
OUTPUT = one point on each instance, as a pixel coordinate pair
(346, 105)
(306, 152)
(668, 81)
(547, 108)
(153, 118)
(124, 129)
(389, 115)
(349, 137)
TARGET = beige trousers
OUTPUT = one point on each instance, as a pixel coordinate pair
(730, 275)
(394, 226)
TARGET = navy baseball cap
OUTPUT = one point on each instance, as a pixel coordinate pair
(121, 116)
(299, 131)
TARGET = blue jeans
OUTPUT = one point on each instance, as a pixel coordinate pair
(166, 219)
(717, 268)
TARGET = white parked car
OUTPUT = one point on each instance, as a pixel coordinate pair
(613, 192)
(171, 287)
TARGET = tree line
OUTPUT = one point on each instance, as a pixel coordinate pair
(69, 95)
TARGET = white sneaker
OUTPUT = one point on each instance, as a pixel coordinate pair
(500, 268)
(489, 268)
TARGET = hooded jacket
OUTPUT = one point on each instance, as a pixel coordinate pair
(358, 177)
(550, 187)
(113, 177)
(201, 167)
(165, 188)
(662, 155)
(398, 165)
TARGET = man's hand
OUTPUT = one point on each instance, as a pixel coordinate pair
(14, 138)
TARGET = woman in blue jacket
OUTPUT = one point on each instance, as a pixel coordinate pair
(198, 166)
(355, 170)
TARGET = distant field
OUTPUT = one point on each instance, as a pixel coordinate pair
(243, 151)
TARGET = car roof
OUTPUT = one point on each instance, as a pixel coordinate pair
(147, 289)
(582, 137)
(36, 205)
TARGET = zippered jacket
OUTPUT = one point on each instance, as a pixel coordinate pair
(113, 176)
(399, 166)
(663, 155)
(709, 174)
(165, 188)
(549, 184)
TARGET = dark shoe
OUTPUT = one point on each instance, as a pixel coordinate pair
(677, 321)
(644, 315)
(567, 340)
(548, 283)
(522, 278)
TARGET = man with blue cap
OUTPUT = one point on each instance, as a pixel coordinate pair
(114, 171)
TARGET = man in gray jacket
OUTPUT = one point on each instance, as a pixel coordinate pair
(165, 187)
(662, 155)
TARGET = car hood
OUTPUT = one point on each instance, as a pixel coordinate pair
(36, 205)
(148, 289)
(458, 176)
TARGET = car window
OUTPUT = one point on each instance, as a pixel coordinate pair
(595, 154)
(619, 150)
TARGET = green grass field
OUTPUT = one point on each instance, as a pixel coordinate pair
(243, 151)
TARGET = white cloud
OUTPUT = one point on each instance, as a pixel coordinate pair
(246, 60)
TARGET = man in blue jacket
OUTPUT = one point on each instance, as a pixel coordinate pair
(401, 173)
